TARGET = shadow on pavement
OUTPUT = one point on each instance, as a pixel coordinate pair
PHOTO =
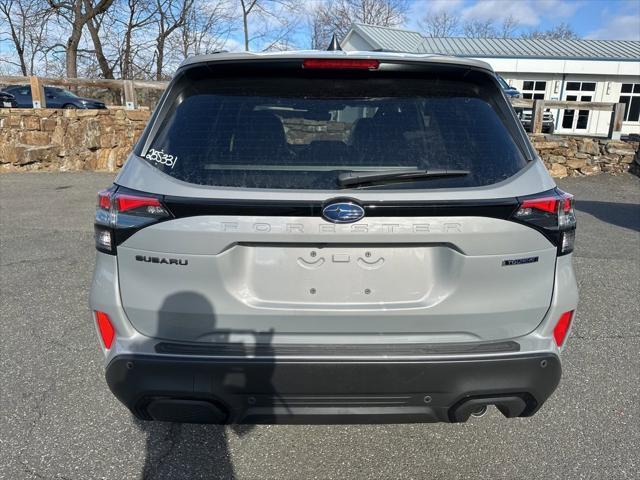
(625, 215)
(185, 451)
(189, 451)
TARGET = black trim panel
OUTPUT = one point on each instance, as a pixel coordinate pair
(255, 390)
(182, 207)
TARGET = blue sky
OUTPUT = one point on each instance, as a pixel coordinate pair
(597, 19)
(590, 19)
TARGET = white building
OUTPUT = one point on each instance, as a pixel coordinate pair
(583, 70)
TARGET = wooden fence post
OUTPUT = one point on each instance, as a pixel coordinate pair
(38, 97)
(617, 117)
(537, 115)
(129, 95)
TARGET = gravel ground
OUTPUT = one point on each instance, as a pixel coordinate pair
(58, 419)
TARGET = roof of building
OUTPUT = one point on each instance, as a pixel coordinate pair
(384, 39)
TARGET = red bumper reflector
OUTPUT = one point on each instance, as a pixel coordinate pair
(104, 199)
(562, 327)
(105, 328)
(341, 63)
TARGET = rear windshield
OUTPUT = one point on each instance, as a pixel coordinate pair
(292, 132)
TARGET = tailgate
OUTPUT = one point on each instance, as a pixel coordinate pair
(441, 279)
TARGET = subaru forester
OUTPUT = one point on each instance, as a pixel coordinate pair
(333, 237)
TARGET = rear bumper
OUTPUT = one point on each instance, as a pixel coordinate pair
(264, 390)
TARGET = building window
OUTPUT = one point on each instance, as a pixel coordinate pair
(533, 90)
(574, 93)
(631, 98)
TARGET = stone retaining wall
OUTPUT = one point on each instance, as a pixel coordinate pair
(575, 156)
(65, 140)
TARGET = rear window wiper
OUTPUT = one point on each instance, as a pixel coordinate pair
(348, 179)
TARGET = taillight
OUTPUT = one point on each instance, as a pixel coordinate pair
(105, 327)
(562, 327)
(138, 204)
(120, 213)
(551, 213)
(341, 63)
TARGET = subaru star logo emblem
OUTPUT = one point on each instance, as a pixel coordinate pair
(343, 212)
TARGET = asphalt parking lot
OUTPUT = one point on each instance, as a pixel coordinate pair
(58, 419)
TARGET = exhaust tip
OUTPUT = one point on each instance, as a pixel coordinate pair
(509, 405)
(480, 412)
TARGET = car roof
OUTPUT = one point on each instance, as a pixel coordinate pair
(302, 54)
(14, 87)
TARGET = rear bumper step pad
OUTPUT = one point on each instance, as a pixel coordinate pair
(319, 351)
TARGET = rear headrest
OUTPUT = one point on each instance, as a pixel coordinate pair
(363, 130)
(258, 135)
(375, 138)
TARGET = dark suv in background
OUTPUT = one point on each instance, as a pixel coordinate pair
(56, 98)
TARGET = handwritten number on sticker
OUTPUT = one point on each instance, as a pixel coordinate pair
(160, 157)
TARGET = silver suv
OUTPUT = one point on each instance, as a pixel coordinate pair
(331, 237)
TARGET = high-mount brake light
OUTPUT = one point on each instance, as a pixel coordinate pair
(119, 214)
(553, 215)
(341, 63)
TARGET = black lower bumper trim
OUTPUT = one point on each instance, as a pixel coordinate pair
(171, 388)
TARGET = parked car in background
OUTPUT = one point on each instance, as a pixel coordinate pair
(56, 97)
(333, 237)
(548, 121)
(7, 100)
(509, 91)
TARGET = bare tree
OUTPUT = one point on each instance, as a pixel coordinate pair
(77, 13)
(247, 7)
(25, 23)
(509, 27)
(206, 28)
(561, 31)
(440, 24)
(336, 17)
(479, 29)
(271, 21)
(94, 25)
(323, 23)
(138, 15)
(123, 40)
(170, 15)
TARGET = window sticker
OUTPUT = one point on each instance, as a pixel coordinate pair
(160, 157)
